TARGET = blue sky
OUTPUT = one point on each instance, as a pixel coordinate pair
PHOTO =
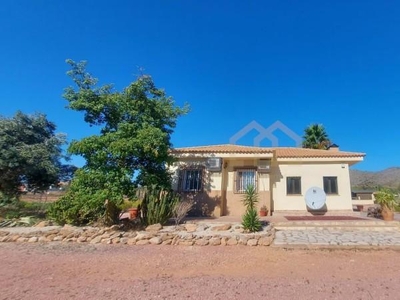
(299, 62)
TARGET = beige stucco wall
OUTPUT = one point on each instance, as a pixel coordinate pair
(219, 196)
(233, 201)
(311, 175)
(208, 202)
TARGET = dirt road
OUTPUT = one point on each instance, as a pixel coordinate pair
(76, 271)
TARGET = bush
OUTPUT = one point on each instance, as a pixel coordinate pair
(92, 197)
(250, 220)
(181, 209)
(157, 204)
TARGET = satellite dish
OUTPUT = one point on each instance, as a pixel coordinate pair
(315, 198)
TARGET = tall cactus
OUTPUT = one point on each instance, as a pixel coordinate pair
(157, 204)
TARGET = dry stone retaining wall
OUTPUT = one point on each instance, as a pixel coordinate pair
(187, 235)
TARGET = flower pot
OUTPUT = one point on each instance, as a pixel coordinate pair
(133, 212)
(387, 215)
(263, 213)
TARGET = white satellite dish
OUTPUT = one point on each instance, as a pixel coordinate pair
(315, 198)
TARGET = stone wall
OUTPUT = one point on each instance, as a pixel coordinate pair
(200, 234)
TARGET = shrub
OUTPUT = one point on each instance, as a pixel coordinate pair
(386, 199)
(250, 220)
(157, 204)
(85, 201)
(181, 209)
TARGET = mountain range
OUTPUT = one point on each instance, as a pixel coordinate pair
(366, 179)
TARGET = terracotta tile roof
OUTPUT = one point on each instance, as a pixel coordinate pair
(280, 152)
(226, 148)
(311, 153)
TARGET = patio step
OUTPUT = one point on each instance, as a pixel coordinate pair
(365, 225)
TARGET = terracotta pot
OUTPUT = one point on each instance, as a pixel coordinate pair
(133, 212)
(263, 213)
(387, 215)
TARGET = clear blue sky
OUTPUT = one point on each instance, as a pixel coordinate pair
(300, 62)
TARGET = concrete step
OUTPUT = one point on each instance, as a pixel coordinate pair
(367, 225)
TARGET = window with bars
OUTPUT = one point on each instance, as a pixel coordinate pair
(293, 185)
(245, 178)
(191, 180)
(330, 185)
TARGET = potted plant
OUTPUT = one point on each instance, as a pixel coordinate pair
(133, 207)
(263, 211)
(386, 199)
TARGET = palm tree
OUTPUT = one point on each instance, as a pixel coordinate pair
(315, 137)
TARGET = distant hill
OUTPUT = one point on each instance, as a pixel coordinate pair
(387, 178)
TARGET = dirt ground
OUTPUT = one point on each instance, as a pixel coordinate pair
(77, 271)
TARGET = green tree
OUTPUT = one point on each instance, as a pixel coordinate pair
(30, 153)
(315, 137)
(132, 148)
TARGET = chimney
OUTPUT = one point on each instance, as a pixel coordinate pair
(333, 147)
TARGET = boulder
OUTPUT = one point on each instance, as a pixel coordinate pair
(223, 227)
(191, 227)
(252, 242)
(155, 240)
(201, 242)
(232, 242)
(215, 241)
(154, 227)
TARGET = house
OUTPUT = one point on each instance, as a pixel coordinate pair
(286, 178)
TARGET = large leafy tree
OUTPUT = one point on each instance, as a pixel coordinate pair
(132, 147)
(315, 137)
(30, 153)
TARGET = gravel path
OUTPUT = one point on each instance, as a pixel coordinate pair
(78, 271)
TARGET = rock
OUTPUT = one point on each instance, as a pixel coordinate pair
(266, 241)
(144, 236)
(186, 243)
(201, 242)
(96, 240)
(223, 227)
(202, 228)
(81, 239)
(223, 241)
(51, 236)
(252, 242)
(167, 242)
(142, 242)
(131, 241)
(232, 242)
(154, 227)
(43, 224)
(155, 240)
(124, 240)
(215, 241)
(4, 239)
(14, 238)
(239, 230)
(114, 228)
(116, 235)
(116, 240)
(58, 238)
(43, 239)
(191, 227)
(243, 240)
(22, 240)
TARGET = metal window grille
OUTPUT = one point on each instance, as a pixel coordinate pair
(245, 178)
(192, 180)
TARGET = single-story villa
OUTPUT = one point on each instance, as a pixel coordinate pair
(288, 180)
